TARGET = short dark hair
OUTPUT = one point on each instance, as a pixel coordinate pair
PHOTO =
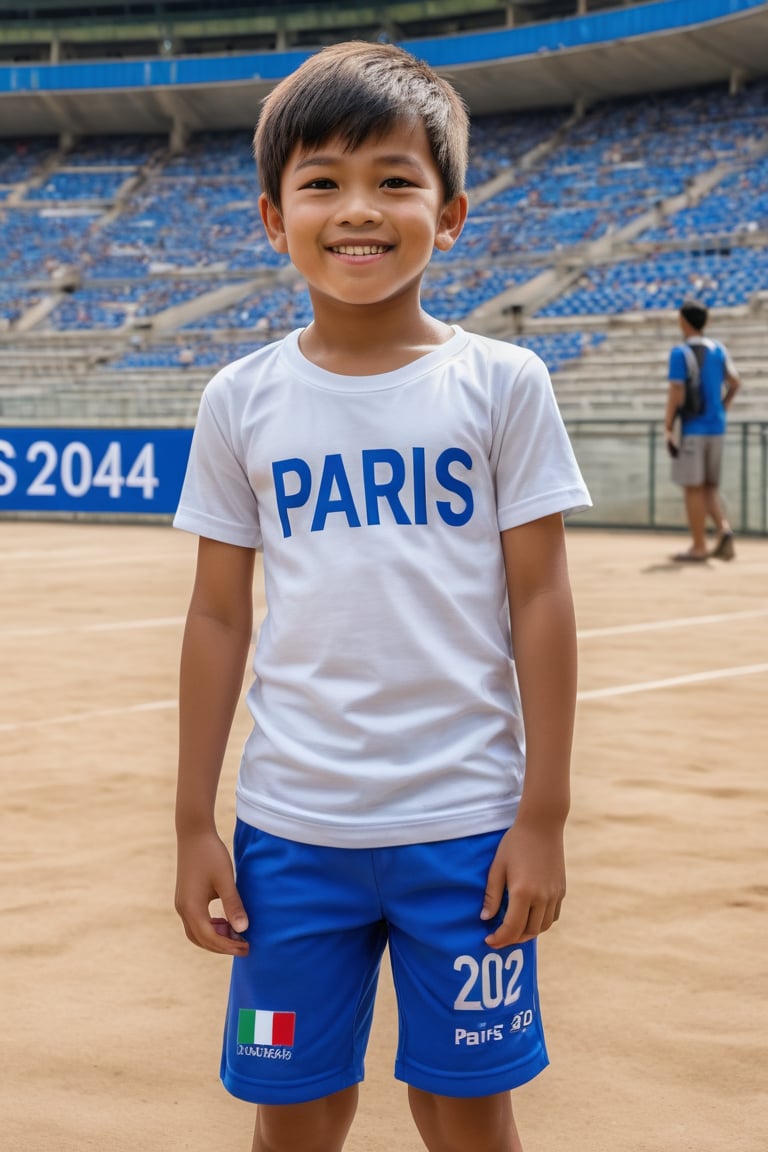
(695, 313)
(357, 90)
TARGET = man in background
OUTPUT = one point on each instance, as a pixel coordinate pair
(702, 384)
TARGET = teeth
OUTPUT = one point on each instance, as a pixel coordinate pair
(360, 249)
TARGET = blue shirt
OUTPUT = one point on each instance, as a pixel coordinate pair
(715, 367)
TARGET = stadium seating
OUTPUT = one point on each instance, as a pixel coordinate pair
(736, 209)
(725, 278)
(148, 268)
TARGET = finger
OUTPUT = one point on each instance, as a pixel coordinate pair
(216, 935)
(494, 891)
(540, 919)
(234, 910)
(229, 941)
(223, 927)
(535, 924)
(227, 945)
(552, 918)
(512, 926)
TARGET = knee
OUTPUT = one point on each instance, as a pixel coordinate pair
(317, 1126)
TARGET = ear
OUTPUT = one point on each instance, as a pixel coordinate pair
(451, 222)
(273, 224)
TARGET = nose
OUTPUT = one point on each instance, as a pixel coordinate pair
(357, 210)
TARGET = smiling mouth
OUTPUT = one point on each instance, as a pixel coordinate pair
(360, 249)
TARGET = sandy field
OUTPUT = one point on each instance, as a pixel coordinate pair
(654, 983)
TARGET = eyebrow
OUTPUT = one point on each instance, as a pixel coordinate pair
(318, 159)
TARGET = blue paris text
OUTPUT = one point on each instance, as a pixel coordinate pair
(384, 486)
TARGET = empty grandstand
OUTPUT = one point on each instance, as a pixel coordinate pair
(135, 261)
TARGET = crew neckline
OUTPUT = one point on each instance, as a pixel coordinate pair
(375, 382)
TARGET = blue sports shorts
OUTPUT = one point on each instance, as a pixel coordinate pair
(301, 1002)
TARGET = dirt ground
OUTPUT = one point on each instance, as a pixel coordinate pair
(653, 983)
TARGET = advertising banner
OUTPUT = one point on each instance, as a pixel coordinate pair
(113, 470)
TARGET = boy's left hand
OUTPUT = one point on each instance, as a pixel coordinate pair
(530, 866)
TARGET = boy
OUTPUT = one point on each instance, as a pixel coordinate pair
(406, 483)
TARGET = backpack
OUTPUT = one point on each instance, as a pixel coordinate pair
(693, 404)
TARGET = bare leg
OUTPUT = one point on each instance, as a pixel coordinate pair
(448, 1124)
(715, 510)
(317, 1126)
(696, 513)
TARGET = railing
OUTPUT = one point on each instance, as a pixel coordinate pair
(127, 469)
(626, 467)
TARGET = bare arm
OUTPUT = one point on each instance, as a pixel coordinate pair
(733, 384)
(675, 397)
(214, 651)
(530, 862)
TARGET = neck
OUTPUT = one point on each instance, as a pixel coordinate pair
(366, 341)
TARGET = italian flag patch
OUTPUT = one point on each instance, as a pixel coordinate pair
(257, 1027)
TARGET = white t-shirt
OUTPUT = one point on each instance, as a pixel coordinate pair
(384, 700)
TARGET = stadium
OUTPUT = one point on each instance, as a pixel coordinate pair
(619, 164)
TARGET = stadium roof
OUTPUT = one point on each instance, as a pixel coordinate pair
(685, 58)
(735, 45)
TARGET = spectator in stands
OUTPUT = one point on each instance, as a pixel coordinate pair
(406, 481)
(702, 383)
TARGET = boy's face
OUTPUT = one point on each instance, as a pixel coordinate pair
(360, 225)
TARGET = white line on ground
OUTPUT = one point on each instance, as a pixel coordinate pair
(590, 694)
(677, 622)
(673, 682)
(92, 557)
(584, 633)
(104, 626)
(55, 554)
(96, 714)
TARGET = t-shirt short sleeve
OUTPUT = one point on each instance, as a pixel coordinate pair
(217, 500)
(534, 463)
(678, 369)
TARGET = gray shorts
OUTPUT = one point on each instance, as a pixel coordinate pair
(698, 462)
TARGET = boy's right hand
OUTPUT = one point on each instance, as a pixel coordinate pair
(205, 873)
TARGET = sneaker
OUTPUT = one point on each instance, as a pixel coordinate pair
(689, 558)
(724, 549)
